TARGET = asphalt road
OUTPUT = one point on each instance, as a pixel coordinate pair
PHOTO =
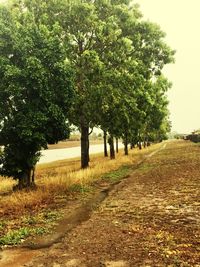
(51, 155)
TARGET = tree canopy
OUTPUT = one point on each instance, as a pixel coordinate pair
(80, 62)
(36, 90)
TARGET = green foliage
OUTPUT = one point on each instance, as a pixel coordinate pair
(2, 225)
(132, 97)
(15, 237)
(29, 226)
(39, 231)
(90, 63)
(194, 137)
(36, 88)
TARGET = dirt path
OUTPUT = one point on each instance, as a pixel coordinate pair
(151, 218)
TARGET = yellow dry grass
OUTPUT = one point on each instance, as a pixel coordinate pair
(6, 184)
(56, 178)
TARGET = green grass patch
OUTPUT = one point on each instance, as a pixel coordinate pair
(46, 217)
(146, 167)
(51, 216)
(30, 220)
(117, 175)
(2, 225)
(40, 231)
(15, 237)
(80, 188)
(31, 225)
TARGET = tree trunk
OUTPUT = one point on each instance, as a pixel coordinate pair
(33, 175)
(126, 144)
(132, 145)
(144, 144)
(105, 143)
(112, 148)
(84, 147)
(117, 146)
(140, 145)
(25, 180)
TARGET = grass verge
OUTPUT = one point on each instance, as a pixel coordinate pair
(57, 183)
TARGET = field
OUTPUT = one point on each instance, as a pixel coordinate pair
(149, 218)
(24, 214)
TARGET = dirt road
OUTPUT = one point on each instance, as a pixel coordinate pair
(151, 218)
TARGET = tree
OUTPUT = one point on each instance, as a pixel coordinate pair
(115, 58)
(136, 58)
(36, 90)
(90, 29)
(107, 43)
(81, 29)
(156, 111)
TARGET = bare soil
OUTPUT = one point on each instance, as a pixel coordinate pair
(151, 218)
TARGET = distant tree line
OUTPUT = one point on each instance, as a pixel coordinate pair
(194, 136)
(88, 63)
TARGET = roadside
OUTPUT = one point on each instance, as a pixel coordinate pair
(149, 219)
(21, 217)
(61, 187)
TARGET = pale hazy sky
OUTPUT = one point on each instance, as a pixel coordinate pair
(180, 19)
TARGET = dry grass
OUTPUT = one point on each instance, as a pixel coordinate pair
(6, 184)
(56, 179)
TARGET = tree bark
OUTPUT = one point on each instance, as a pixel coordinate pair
(84, 147)
(112, 148)
(140, 145)
(33, 175)
(126, 144)
(117, 146)
(25, 181)
(145, 144)
(105, 143)
(132, 145)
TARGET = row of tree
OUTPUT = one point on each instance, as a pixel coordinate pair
(194, 136)
(77, 62)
